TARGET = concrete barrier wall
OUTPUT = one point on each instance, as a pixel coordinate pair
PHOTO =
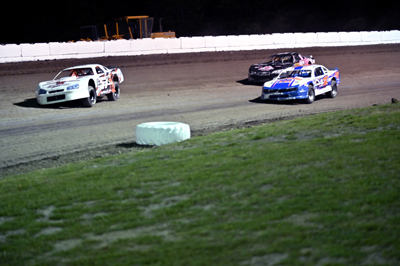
(82, 49)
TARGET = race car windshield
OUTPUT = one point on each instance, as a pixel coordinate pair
(296, 73)
(78, 72)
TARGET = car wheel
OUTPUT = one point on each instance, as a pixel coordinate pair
(113, 96)
(333, 92)
(311, 95)
(91, 100)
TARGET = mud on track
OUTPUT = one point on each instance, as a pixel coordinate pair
(208, 91)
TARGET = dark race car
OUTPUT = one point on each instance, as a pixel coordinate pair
(274, 64)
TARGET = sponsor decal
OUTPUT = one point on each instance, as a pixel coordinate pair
(284, 81)
(111, 86)
(325, 81)
(266, 68)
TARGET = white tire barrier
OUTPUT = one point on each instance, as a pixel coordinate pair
(160, 133)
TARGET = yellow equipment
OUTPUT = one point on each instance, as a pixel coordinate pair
(145, 25)
(135, 27)
(169, 34)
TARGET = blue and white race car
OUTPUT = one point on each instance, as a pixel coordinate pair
(302, 83)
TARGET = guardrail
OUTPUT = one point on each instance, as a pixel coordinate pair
(83, 49)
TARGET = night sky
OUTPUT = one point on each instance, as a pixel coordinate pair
(50, 21)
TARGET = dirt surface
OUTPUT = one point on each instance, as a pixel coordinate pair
(208, 91)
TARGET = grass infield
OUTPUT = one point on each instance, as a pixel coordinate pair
(317, 190)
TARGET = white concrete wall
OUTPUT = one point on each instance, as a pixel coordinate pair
(82, 49)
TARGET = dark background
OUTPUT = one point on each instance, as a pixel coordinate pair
(51, 21)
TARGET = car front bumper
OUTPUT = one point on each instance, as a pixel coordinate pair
(283, 94)
(59, 97)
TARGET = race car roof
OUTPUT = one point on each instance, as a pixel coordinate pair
(83, 66)
(285, 53)
(306, 67)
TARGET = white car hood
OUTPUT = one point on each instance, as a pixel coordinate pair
(286, 82)
(59, 84)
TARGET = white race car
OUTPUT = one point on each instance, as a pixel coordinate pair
(86, 82)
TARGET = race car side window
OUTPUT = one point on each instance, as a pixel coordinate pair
(297, 58)
(99, 70)
(318, 72)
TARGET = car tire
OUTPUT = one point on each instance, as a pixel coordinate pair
(310, 95)
(113, 96)
(91, 100)
(333, 92)
(160, 133)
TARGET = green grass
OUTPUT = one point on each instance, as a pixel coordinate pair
(319, 190)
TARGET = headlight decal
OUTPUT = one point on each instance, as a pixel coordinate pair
(73, 87)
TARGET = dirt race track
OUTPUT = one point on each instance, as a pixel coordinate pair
(208, 91)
